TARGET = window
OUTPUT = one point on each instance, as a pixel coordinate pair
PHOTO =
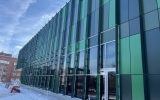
(93, 60)
(4, 62)
(110, 55)
(151, 20)
(72, 61)
(133, 8)
(108, 35)
(105, 16)
(15, 63)
(149, 5)
(18, 74)
(91, 24)
(152, 51)
(123, 11)
(13, 74)
(93, 41)
(124, 30)
(134, 26)
(81, 60)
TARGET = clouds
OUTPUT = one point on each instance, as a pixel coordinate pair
(11, 11)
(18, 47)
(22, 19)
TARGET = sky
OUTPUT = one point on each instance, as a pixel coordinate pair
(20, 20)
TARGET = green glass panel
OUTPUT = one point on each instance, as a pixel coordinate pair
(82, 6)
(158, 1)
(124, 56)
(137, 87)
(104, 1)
(117, 87)
(72, 48)
(136, 56)
(112, 14)
(81, 45)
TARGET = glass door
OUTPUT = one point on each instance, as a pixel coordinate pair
(109, 81)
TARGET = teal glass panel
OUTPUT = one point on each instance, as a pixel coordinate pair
(82, 9)
(136, 56)
(112, 12)
(104, 1)
(124, 56)
(158, 1)
(81, 45)
(72, 48)
(137, 87)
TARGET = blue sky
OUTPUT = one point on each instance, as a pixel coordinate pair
(20, 20)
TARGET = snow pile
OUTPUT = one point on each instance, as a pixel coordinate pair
(31, 93)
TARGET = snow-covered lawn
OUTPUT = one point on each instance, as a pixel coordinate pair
(30, 93)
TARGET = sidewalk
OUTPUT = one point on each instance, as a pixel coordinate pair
(31, 93)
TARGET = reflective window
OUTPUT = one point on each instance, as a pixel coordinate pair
(62, 84)
(112, 85)
(151, 20)
(72, 61)
(152, 50)
(93, 41)
(91, 24)
(105, 19)
(92, 80)
(134, 26)
(70, 85)
(93, 5)
(133, 8)
(81, 62)
(149, 5)
(108, 35)
(79, 87)
(123, 11)
(96, 21)
(93, 60)
(126, 89)
(124, 30)
(109, 55)
(82, 29)
(75, 15)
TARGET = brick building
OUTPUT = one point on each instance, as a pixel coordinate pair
(8, 70)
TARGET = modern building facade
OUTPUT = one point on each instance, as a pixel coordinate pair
(97, 50)
(8, 71)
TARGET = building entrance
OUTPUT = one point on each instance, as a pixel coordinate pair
(109, 83)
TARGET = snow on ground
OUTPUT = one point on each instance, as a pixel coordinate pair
(30, 93)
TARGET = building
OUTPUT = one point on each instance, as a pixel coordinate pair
(97, 49)
(8, 70)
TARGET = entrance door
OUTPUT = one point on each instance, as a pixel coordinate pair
(109, 75)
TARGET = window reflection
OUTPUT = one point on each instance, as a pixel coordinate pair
(81, 62)
(62, 84)
(93, 61)
(92, 87)
(69, 86)
(112, 86)
(108, 55)
(79, 87)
